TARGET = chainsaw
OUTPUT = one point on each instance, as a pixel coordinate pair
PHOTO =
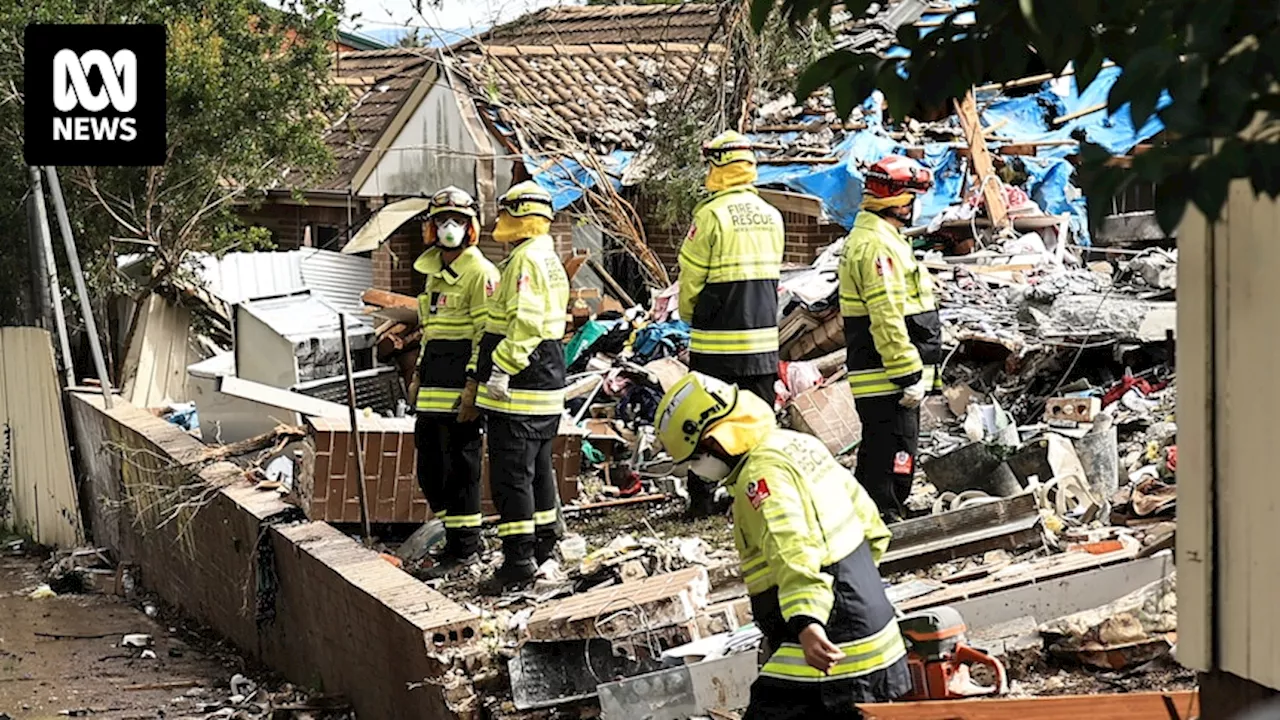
(940, 661)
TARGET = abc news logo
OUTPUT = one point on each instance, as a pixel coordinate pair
(95, 95)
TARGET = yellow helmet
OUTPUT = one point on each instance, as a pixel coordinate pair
(525, 199)
(690, 407)
(452, 199)
(729, 147)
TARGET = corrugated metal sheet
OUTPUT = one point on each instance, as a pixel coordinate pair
(237, 277)
(37, 489)
(341, 279)
(159, 351)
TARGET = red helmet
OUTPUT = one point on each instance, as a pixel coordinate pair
(894, 175)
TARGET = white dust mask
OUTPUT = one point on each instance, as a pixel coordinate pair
(450, 233)
(709, 467)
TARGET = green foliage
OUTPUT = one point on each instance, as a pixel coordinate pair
(248, 99)
(1220, 62)
(762, 65)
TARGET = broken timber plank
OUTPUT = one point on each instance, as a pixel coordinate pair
(988, 181)
(278, 397)
(1010, 524)
(620, 611)
(385, 299)
(1128, 706)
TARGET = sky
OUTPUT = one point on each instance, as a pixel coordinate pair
(454, 15)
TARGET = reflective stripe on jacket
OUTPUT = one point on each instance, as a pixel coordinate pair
(729, 267)
(525, 330)
(809, 537)
(891, 324)
(452, 310)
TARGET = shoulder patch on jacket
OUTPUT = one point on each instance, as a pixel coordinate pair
(524, 282)
(757, 492)
(490, 287)
(693, 230)
(884, 264)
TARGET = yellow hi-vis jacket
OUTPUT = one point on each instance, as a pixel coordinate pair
(809, 537)
(453, 310)
(891, 324)
(729, 267)
(525, 330)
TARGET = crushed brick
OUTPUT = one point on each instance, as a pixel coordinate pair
(623, 610)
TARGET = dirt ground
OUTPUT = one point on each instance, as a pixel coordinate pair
(44, 677)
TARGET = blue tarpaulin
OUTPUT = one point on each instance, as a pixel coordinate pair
(1025, 119)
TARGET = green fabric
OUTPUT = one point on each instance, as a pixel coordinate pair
(589, 333)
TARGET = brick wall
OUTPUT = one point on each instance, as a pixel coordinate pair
(393, 261)
(298, 596)
(288, 222)
(806, 236)
(327, 485)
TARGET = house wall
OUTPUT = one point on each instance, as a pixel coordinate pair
(1228, 570)
(393, 260)
(806, 236)
(432, 150)
(288, 222)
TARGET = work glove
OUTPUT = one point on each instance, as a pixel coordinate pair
(499, 385)
(467, 411)
(913, 395)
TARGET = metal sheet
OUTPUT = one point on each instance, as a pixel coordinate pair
(340, 279)
(682, 692)
(37, 492)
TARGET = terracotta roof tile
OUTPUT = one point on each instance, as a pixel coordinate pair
(602, 92)
(393, 73)
(694, 23)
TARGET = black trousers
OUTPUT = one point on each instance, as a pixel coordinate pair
(887, 455)
(523, 479)
(449, 455)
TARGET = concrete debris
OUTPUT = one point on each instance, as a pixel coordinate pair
(1129, 631)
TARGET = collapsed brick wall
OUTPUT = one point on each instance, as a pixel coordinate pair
(298, 596)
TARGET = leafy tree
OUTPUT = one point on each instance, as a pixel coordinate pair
(1219, 61)
(248, 99)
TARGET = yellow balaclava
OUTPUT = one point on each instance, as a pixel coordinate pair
(723, 177)
(871, 203)
(732, 161)
(524, 212)
(745, 427)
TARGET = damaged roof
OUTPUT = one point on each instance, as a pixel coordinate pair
(604, 94)
(380, 81)
(690, 22)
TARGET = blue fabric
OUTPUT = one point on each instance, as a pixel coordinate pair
(565, 178)
(659, 340)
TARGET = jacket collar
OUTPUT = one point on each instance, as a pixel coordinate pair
(431, 264)
(541, 242)
(730, 191)
(870, 221)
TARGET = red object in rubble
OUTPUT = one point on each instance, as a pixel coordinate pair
(1127, 383)
(1171, 458)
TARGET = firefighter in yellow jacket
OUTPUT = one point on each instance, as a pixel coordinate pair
(452, 309)
(522, 361)
(891, 328)
(809, 539)
(729, 267)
